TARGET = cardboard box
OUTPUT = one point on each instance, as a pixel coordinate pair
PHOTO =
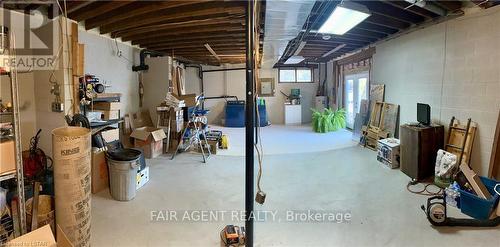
(40, 237)
(189, 99)
(110, 115)
(140, 119)
(150, 140)
(7, 157)
(111, 135)
(142, 177)
(388, 152)
(214, 146)
(107, 106)
(99, 170)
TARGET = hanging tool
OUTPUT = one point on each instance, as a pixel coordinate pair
(35, 162)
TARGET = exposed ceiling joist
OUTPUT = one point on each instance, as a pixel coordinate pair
(96, 8)
(391, 11)
(73, 6)
(200, 37)
(386, 21)
(180, 24)
(180, 45)
(137, 9)
(167, 15)
(202, 29)
(405, 6)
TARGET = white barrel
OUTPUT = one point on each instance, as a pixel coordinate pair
(71, 153)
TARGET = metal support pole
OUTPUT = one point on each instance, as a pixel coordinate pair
(249, 122)
(18, 150)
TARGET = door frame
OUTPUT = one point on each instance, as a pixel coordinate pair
(351, 73)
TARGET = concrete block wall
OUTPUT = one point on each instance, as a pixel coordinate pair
(453, 66)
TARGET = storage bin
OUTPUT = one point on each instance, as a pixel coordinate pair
(477, 207)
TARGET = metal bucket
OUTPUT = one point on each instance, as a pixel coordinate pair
(123, 176)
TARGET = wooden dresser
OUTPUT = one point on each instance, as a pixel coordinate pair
(419, 146)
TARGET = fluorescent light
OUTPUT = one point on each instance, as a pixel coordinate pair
(294, 60)
(334, 50)
(299, 49)
(345, 16)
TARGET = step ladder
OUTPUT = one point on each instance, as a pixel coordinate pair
(463, 135)
(193, 134)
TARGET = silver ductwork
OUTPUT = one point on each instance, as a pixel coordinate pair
(428, 5)
(284, 21)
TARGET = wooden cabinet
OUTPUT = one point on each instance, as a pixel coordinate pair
(419, 146)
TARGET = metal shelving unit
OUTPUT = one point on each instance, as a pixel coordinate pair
(18, 173)
(7, 176)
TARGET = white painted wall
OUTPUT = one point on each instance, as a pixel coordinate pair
(454, 67)
(45, 118)
(156, 81)
(233, 83)
(34, 88)
(27, 105)
(101, 59)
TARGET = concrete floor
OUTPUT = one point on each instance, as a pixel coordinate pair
(279, 139)
(383, 212)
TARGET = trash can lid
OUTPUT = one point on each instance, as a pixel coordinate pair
(124, 154)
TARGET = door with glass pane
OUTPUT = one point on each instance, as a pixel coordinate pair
(355, 90)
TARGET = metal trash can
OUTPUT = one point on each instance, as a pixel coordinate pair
(123, 166)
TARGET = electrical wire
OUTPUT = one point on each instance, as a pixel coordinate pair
(52, 78)
(119, 53)
(258, 144)
(425, 191)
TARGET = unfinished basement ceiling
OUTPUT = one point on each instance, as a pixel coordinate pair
(179, 28)
(387, 18)
(284, 20)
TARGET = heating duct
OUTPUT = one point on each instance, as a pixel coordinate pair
(284, 21)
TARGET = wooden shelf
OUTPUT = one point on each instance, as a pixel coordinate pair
(7, 175)
(98, 126)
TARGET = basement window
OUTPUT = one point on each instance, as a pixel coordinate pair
(295, 75)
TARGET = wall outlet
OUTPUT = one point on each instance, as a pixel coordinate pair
(57, 107)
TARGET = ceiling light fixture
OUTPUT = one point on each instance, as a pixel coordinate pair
(294, 60)
(212, 51)
(334, 50)
(344, 17)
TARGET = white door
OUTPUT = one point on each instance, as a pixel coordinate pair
(355, 90)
